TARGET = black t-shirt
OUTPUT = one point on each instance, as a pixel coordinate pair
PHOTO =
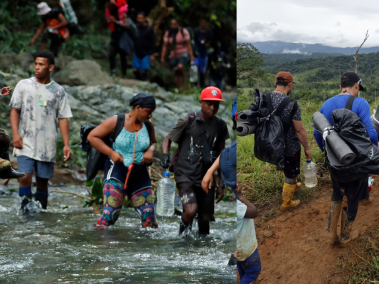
(189, 166)
(215, 62)
(144, 44)
(201, 38)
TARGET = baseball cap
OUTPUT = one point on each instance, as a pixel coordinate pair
(43, 8)
(352, 77)
(285, 77)
(211, 94)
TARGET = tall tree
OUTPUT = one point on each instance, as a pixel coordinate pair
(249, 62)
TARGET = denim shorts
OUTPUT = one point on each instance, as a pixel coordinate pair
(28, 165)
(250, 268)
(182, 59)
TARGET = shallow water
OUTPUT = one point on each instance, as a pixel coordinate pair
(60, 245)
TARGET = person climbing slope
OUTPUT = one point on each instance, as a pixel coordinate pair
(56, 24)
(357, 189)
(125, 172)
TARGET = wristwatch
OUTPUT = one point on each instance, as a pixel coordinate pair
(222, 185)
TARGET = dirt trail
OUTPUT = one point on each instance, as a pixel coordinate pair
(297, 251)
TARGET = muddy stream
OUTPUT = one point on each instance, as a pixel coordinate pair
(60, 245)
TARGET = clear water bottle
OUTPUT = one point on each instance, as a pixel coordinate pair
(166, 196)
(309, 170)
(193, 73)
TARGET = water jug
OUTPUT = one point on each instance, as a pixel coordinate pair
(165, 196)
(193, 73)
(309, 170)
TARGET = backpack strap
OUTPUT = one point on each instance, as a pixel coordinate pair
(282, 106)
(148, 127)
(119, 126)
(349, 103)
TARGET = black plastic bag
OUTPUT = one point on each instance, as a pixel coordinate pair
(270, 141)
(351, 129)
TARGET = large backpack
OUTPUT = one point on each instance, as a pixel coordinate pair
(206, 149)
(95, 159)
(270, 135)
(351, 129)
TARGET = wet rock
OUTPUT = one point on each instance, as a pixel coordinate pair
(267, 234)
(82, 72)
(25, 61)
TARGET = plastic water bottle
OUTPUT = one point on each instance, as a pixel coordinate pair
(166, 196)
(309, 170)
(193, 73)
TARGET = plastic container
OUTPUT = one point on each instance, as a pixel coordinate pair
(165, 196)
(309, 170)
(194, 73)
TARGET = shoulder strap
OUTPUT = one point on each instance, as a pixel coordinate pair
(349, 103)
(269, 102)
(281, 106)
(148, 127)
(191, 118)
(119, 125)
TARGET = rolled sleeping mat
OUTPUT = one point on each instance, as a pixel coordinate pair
(341, 154)
(375, 121)
(244, 129)
(248, 116)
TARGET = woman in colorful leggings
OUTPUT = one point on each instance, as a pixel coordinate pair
(125, 170)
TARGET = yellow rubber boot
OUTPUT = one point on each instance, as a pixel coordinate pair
(288, 191)
(334, 215)
(298, 186)
(4, 164)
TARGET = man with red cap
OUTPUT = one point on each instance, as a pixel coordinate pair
(296, 135)
(200, 137)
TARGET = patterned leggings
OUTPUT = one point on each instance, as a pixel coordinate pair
(114, 195)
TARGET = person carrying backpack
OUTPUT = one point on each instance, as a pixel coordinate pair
(179, 42)
(295, 134)
(357, 189)
(56, 23)
(201, 137)
(125, 171)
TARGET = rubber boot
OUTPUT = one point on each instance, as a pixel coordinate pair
(298, 186)
(183, 227)
(9, 172)
(334, 215)
(25, 200)
(41, 197)
(347, 233)
(288, 191)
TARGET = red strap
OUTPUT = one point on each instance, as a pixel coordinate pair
(134, 156)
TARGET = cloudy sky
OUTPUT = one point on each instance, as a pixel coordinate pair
(329, 22)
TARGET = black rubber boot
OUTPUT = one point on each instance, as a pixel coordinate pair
(183, 226)
(42, 198)
(25, 200)
(9, 173)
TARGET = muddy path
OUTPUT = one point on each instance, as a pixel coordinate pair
(297, 251)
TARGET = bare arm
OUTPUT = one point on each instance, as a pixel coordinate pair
(14, 119)
(190, 50)
(302, 136)
(38, 33)
(62, 22)
(251, 211)
(125, 24)
(164, 49)
(166, 145)
(63, 126)
(207, 181)
(148, 155)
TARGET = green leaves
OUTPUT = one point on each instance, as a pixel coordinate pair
(249, 62)
(97, 189)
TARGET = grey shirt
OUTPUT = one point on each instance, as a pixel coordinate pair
(292, 142)
(189, 166)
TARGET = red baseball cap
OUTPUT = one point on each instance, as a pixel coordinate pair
(211, 94)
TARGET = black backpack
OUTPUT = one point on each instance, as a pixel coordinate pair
(95, 159)
(270, 135)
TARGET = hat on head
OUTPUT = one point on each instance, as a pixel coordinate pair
(143, 100)
(352, 77)
(120, 3)
(211, 94)
(284, 77)
(43, 8)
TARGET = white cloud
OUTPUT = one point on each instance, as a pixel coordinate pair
(333, 23)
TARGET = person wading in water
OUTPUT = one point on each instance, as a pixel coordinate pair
(125, 171)
(201, 137)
